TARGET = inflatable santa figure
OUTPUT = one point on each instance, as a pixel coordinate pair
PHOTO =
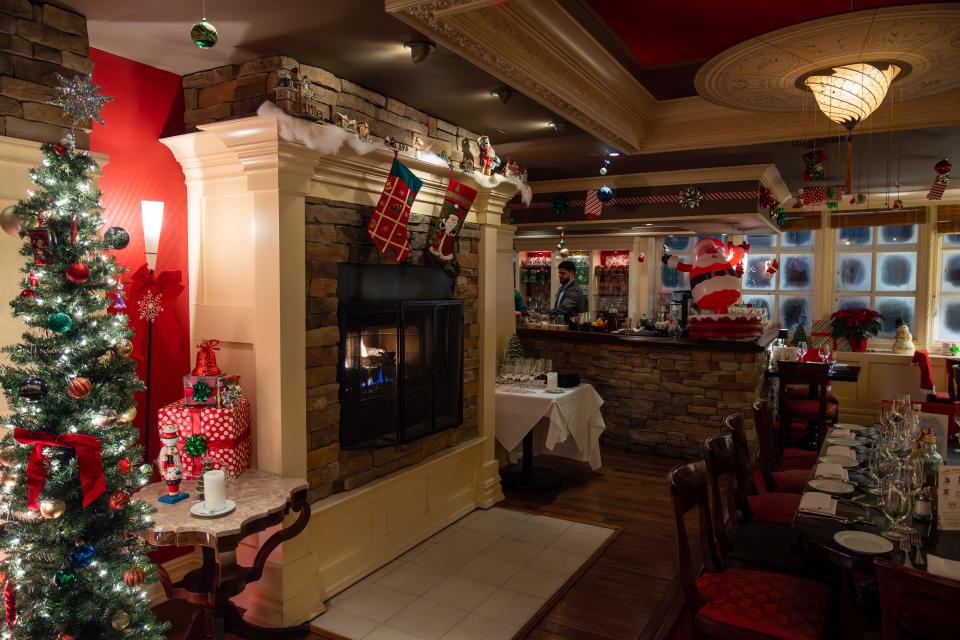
(714, 274)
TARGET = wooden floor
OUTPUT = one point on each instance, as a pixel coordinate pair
(628, 591)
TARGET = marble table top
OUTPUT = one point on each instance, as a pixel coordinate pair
(260, 497)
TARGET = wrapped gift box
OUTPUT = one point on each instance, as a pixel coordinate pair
(225, 429)
(820, 335)
(190, 397)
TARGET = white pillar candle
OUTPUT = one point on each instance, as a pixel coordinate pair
(214, 490)
(552, 381)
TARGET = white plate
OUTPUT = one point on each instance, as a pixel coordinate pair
(863, 542)
(554, 390)
(851, 426)
(840, 460)
(836, 487)
(200, 509)
(846, 442)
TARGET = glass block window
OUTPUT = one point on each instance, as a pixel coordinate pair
(788, 295)
(876, 267)
(948, 315)
(682, 247)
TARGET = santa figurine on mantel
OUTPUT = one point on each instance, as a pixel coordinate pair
(714, 274)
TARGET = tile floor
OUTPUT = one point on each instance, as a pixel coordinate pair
(481, 578)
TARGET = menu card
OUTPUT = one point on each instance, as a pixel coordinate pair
(948, 500)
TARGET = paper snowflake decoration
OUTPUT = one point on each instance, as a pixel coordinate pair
(80, 99)
(151, 306)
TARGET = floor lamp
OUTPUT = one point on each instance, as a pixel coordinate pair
(151, 212)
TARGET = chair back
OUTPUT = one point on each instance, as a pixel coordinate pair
(689, 490)
(915, 604)
(733, 425)
(814, 374)
(722, 471)
(763, 422)
(953, 378)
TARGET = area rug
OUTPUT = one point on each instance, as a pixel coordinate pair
(490, 576)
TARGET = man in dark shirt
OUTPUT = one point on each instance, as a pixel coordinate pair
(570, 297)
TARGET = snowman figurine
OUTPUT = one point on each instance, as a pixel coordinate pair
(170, 464)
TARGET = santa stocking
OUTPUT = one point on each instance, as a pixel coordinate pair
(388, 224)
(443, 237)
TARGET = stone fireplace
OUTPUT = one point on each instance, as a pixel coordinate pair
(275, 229)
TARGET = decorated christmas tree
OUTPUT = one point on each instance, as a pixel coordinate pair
(799, 335)
(514, 348)
(71, 568)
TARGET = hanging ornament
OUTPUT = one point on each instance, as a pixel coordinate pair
(29, 295)
(40, 246)
(8, 456)
(206, 363)
(770, 267)
(765, 198)
(593, 207)
(105, 418)
(119, 499)
(8, 479)
(119, 302)
(32, 389)
(80, 556)
(33, 280)
(940, 183)
(204, 34)
(605, 194)
(125, 466)
(59, 322)
(690, 197)
(128, 415)
(117, 237)
(79, 388)
(134, 577)
(52, 509)
(560, 205)
(120, 620)
(641, 258)
(10, 602)
(10, 221)
(815, 161)
(74, 230)
(605, 167)
(64, 578)
(124, 348)
(78, 273)
(65, 636)
(897, 204)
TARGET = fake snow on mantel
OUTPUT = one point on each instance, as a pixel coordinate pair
(329, 139)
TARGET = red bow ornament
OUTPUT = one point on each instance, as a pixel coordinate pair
(89, 461)
(169, 283)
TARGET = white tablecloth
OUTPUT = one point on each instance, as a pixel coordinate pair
(575, 423)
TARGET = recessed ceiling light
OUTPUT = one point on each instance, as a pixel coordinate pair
(613, 154)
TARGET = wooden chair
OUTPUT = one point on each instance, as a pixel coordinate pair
(771, 506)
(812, 409)
(771, 476)
(731, 603)
(952, 394)
(915, 604)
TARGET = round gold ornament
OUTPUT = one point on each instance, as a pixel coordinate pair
(8, 456)
(120, 620)
(8, 479)
(105, 418)
(52, 509)
(128, 415)
(124, 348)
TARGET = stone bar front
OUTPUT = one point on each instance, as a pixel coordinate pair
(661, 395)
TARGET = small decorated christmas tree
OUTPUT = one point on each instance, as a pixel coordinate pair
(799, 335)
(69, 553)
(514, 348)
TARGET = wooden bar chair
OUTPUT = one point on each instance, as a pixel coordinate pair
(730, 603)
(771, 477)
(814, 409)
(772, 506)
(915, 604)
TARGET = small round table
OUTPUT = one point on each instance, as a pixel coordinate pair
(263, 500)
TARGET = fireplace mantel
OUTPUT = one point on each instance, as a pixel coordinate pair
(247, 190)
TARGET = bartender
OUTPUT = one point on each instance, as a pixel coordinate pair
(570, 297)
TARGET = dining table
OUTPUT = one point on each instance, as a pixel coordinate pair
(839, 372)
(859, 510)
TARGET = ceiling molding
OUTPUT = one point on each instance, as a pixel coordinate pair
(541, 50)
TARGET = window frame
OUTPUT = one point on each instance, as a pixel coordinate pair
(777, 292)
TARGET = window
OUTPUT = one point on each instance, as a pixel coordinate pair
(877, 268)
(788, 295)
(682, 247)
(948, 318)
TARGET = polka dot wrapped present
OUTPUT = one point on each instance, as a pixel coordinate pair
(226, 431)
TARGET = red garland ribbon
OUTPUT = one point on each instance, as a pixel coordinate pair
(168, 283)
(89, 461)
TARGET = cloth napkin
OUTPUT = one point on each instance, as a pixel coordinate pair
(841, 433)
(942, 567)
(831, 471)
(921, 358)
(840, 450)
(816, 502)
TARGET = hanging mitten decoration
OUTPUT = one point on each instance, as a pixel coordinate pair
(442, 242)
(940, 183)
(388, 224)
(593, 207)
(814, 161)
(207, 359)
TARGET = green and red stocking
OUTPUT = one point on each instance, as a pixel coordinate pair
(388, 224)
(442, 243)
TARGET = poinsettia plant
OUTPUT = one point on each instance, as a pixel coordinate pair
(854, 323)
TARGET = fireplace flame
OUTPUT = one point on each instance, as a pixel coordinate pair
(363, 349)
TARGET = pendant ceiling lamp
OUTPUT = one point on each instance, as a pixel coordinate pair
(849, 95)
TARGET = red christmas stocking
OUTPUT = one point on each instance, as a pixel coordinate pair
(442, 243)
(388, 224)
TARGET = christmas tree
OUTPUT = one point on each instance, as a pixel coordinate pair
(514, 348)
(71, 565)
(799, 335)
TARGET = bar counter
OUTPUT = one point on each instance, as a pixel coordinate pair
(661, 395)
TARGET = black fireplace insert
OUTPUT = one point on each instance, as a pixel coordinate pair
(400, 368)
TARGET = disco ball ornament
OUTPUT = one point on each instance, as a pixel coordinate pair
(117, 237)
(204, 34)
(564, 252)
(604, 194)
(603, 171)
(59, 322)
(120, 620)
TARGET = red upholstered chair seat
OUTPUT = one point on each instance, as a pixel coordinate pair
(791, 481)
(939, 396)
(808, 409)
(791, 452)
(804, 394)
(797, 464)
(772, 604)
(774, 506)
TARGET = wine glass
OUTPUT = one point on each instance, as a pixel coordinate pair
(896, 503)
(801, 351)
(825, 354)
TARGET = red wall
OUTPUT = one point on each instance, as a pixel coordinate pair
(147, 105)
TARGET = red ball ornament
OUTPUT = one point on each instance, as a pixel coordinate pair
(134, 577)
(642, 258)
(59, 148)
(28, 294)
(125, 466)
(78, 272)
(943, 167)
(119, 499)
(79, 388)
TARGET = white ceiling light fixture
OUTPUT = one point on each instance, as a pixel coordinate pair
(419, 50)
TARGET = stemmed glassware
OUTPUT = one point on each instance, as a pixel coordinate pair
(825, 354)
(896, 494)
(801, 351)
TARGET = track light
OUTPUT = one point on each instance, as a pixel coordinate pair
(559, 127)
(419, 50)
(504, 93)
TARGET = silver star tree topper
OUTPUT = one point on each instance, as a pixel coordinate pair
(80, 99)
